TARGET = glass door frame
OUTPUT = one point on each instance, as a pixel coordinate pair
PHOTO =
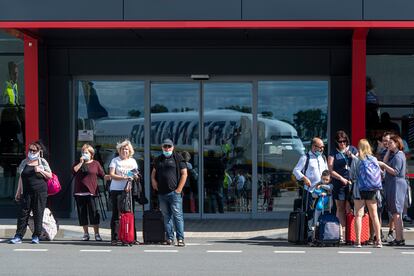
(253, 79)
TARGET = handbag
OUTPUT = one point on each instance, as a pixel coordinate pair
(53, 185)
(138, 191)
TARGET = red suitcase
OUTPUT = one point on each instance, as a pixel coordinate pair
(126, 228)
(350, 229)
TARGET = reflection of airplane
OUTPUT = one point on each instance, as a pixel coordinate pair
(279, 147)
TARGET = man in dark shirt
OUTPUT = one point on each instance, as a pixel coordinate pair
(168, 178)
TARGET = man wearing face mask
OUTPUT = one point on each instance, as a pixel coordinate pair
(309, 170)
(168, 178)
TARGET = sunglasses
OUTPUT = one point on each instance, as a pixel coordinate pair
(341, 141)
(167, 146)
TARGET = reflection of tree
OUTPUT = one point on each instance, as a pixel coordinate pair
(310, 123)
(182, 109)
(244, 109)
(134, 113)
(159, 108)
(267, 114)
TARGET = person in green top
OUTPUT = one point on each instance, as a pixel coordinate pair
(11, 92)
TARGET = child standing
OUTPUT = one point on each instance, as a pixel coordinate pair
(322, 193)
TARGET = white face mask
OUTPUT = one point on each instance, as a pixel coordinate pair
(86, 156)
(33, 156)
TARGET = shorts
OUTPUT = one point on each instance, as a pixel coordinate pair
(340, 192)
(368, 195)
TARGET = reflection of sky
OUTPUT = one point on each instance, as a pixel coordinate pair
(282, 98)
(176, 95)
(285, 98)
(220, 95)
(117, 97)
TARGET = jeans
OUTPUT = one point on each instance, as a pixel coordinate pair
(171, 206)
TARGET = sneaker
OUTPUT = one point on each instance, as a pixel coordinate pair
(397, 243)
(180, 243)
(35, 240)
(114, 243)
(85, 237)
(378, 245)
(15, 240)
(357, 245)
(407, 219)
(97, 238)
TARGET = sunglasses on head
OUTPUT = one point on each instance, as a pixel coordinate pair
(167, 146)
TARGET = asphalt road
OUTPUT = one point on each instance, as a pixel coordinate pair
(203, 257)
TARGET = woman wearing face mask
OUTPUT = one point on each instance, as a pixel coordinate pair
(86, 191)
(119, 170)
(396, 186)
(32, 192)
(339, 163)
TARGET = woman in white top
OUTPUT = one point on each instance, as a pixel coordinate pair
(120, 170)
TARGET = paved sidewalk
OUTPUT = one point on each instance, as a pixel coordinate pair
(194, 228)
(217, 228)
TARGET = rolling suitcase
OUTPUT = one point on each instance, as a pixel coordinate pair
(297, 204)
(298, 225)
(350, 229)
(328, 230)
(153, 230)
(126, 228)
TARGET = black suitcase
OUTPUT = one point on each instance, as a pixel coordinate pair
(298, 228)
(297, 204)
(153, 230)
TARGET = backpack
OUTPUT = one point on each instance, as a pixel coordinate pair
(369, 177)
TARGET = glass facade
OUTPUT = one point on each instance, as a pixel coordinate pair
(229, 172)
(12, 123)
(109, 112)
(390, 100)
(290, 114)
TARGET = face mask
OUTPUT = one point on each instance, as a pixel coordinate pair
(86, 156)
(33, 156)
(167, 153)
(318, 153)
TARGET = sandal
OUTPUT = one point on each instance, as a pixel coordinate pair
(180, 243)
(378, 244)
(168, 242)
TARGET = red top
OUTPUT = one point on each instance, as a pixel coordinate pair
(87, 182)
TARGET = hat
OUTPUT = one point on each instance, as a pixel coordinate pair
(168, 142)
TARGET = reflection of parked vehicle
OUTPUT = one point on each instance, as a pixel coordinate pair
(225, 131)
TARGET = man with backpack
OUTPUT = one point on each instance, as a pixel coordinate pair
(309, 170)
(168, 178)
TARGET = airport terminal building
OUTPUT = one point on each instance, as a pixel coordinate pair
(241, 85)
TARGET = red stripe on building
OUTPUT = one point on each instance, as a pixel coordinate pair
(359, 51)
(31, 84)
(206, 24)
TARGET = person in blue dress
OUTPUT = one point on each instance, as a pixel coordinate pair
(339, 164)
(395, 165)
